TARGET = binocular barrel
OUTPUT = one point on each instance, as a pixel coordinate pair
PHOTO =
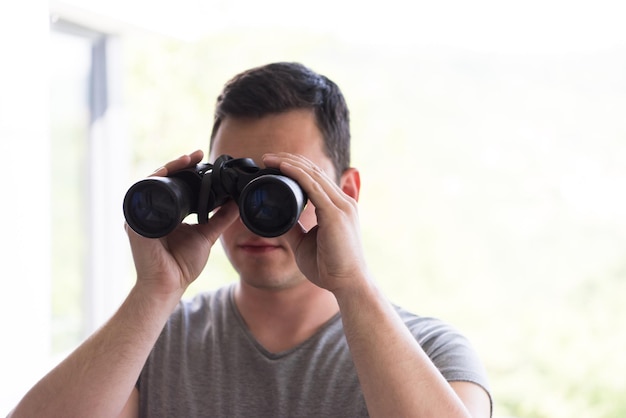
(155, 206)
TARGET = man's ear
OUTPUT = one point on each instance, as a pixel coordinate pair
(350, 183)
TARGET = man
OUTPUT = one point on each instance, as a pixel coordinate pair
(305, 331)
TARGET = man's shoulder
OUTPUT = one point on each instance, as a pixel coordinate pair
(413, 320)
(430, 330)
(448, 348)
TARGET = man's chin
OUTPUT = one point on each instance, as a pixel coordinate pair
(272, 284)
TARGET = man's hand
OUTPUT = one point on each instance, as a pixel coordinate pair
(166, 266)
(330, 254)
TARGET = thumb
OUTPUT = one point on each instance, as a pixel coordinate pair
(222, 218)
(305, 253)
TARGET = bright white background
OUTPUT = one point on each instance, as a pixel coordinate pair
(496, 191)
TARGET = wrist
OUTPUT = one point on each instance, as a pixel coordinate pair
(359, 291)
(158, 297)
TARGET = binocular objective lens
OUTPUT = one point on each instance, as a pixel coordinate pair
(265, 206)
(152, 211)
(270, 205)
(154, 207)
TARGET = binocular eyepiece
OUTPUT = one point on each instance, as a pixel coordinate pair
(269, 203)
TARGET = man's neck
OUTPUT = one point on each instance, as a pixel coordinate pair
(281, 319)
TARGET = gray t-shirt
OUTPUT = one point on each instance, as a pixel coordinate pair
(206, 363)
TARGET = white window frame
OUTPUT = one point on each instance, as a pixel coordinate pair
(107, 264)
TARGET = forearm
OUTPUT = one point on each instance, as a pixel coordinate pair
(97, 379)
(396, 375)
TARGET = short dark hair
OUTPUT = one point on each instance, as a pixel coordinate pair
(283, 86)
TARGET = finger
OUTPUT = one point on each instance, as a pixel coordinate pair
(304, 249)
(182, 162)
(222, 218)
(149, 245)
(319, 186)
(316, 172)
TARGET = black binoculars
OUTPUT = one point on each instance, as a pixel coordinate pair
(269, 203)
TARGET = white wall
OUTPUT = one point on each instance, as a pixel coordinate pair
(25, 202)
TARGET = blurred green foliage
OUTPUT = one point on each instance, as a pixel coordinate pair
(493, 192)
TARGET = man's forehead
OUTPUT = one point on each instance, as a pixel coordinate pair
(293, 131)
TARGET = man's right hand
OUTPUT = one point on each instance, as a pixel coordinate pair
(167, 266)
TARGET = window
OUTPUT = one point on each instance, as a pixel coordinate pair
(70, 68)
(87, 178)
